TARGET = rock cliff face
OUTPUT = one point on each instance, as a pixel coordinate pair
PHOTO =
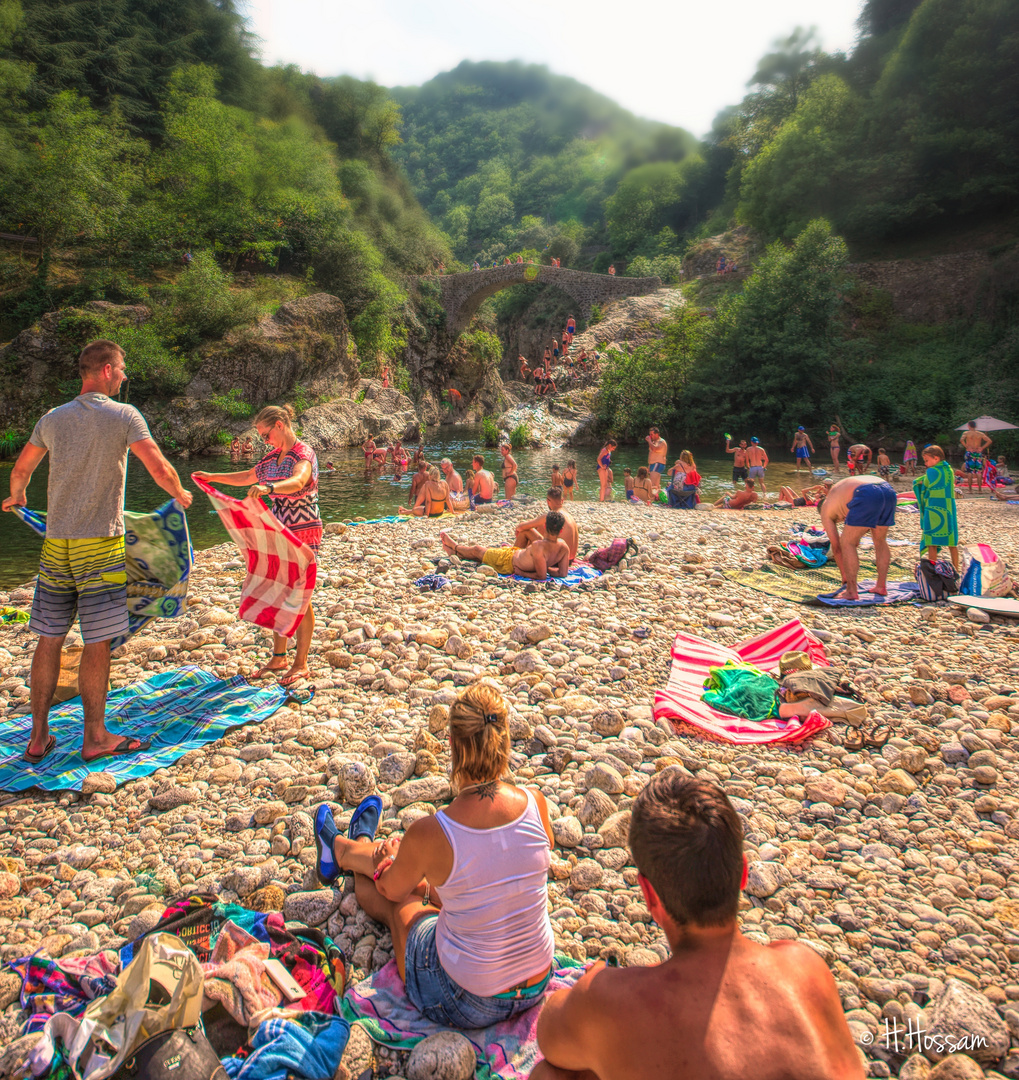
(303, 355)
(39, 368)
(432, 372)
(384, 413)
(306, 344)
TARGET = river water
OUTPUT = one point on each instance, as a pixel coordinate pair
(347, 492)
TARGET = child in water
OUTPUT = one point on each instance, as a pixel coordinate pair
(557, 477)
(628, 484)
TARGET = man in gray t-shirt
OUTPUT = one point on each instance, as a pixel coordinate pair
(81, 569)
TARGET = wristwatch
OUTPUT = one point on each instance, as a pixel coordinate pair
(271, 487)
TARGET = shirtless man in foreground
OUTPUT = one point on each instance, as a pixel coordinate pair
(545, 556)
(867, 505)
(570, 533)
(657, 449)
(975, 443)
(509, 470)
(721, 1006)
(484, 482)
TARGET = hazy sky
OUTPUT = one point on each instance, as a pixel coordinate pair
(676, 62)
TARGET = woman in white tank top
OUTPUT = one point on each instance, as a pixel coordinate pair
(465, 894)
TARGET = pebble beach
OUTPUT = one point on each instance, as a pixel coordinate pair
(899, 865)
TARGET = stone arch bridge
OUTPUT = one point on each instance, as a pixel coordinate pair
(462, 294)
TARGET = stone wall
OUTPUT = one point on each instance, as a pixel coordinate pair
(931, 290)
(463, 294)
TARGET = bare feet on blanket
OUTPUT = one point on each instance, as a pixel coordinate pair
(277, 663)
(879, 592)
(448, 544)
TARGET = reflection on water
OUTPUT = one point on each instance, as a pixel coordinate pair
(349, 492)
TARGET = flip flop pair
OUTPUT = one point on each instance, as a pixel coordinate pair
(878, 736)
(363, 825)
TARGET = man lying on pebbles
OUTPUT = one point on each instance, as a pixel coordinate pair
(570, 532)
(544, 556)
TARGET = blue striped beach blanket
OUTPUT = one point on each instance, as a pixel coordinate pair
(159, 558)
(392, 519)
(579, 572)
(178, 710)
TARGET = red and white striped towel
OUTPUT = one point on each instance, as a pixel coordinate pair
(680, 701)
(281, 570)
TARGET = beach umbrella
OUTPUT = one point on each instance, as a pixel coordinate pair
(988, 423)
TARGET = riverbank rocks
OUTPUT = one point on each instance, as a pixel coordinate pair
(901, 889)
(961, 1013)
(312, 908)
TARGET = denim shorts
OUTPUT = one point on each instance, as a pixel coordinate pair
(442, 1000)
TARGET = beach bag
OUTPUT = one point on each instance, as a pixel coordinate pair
(936, 581)
(184, 1052)
(160, 991)
(984, 573)
(607, 557)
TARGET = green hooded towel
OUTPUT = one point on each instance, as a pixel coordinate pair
(935, 496)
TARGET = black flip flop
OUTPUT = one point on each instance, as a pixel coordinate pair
(854, 739)
(122, 748)
(878, 736)
(34, 759)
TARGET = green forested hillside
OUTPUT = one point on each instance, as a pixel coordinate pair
(915, 129)
(135, 134)
(149, 153)
(510, 157)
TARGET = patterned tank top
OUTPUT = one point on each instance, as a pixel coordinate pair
(298, 512)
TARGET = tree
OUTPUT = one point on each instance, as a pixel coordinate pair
(771, 355)
(944, 130)
(807, 168)
(645, 386)
(207, 169)
(77, 176)
(649, 199)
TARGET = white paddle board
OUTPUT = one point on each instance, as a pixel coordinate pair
(995, 605)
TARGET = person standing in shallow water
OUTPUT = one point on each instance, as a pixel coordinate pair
(605, 471)
(288, 474)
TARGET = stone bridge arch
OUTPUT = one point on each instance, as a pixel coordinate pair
(462, 294)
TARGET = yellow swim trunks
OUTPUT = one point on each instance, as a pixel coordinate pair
(500, 559)
(87, 578)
